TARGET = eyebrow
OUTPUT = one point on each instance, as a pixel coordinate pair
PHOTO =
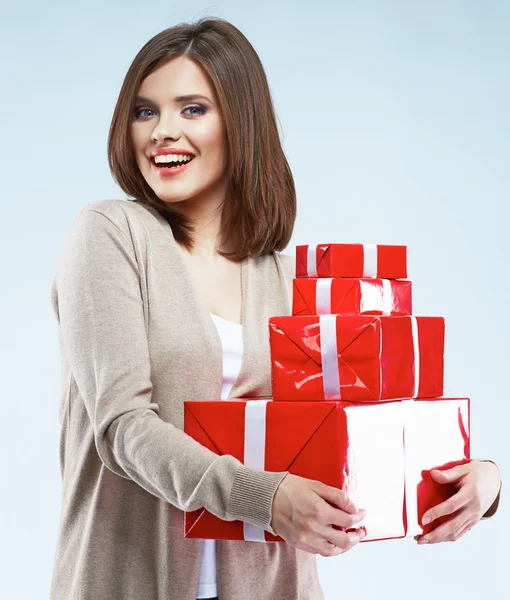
(187, 98)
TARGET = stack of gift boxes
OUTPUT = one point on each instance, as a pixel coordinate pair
(357, 381)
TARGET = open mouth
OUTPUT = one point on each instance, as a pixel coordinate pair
(173, 164)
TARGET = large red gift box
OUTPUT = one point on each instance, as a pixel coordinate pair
(351, 260)
(344, 295)
(356, 357)
(380, 454)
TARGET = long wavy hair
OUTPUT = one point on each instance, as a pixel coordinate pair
(259, 211)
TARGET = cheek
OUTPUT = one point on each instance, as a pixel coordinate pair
(209, 138)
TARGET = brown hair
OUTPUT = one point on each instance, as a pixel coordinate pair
(260, 209)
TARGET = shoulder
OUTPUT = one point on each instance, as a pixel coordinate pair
(288, 263)
(276, 260)
(283, 266)
(127, 220)
(288, 260)
(122, 214)
(103, 228)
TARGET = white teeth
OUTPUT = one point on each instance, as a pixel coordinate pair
(166, 158)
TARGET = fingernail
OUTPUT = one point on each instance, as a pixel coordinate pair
(426, 520)
(423, 541)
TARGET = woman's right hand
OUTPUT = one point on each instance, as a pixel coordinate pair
(305, 512)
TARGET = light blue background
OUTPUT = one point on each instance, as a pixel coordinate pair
(395, 121)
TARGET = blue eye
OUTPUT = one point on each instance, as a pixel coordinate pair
(200, 108)
(137, 111)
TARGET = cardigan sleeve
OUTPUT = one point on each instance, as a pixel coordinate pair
(494, 507)
(96, 297)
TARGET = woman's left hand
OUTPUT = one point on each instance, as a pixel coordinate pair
(478, 484)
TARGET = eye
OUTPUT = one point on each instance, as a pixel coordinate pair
(202, 109)
(199, 108)
(137, 111)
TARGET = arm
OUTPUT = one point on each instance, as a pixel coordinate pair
(97, 300)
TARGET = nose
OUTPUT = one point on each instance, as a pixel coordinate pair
(166, 128)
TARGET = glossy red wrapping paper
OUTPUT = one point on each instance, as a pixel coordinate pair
(355, 296)
(379, 454)
(347, 260)
(375, 357)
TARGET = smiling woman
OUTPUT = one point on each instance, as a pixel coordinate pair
(194, 142)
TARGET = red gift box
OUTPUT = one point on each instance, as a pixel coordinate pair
(351, 260)
(380, 454)
(356, 357)
(357, 296)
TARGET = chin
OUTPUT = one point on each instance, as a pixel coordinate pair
(171, 199)
(176, 197)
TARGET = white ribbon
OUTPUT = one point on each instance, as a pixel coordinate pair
(369, 260)
(411, 470)
(323, 296)
(375, 299)
(329, 356)
(254, 452)
(311, 261)
(416, 346)
(387, 297)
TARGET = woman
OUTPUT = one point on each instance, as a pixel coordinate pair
(153, 298)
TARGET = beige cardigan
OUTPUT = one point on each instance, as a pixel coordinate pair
(136, 341)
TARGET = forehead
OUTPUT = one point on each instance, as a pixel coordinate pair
(177, 77)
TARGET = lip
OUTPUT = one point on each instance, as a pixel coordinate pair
(161, 151)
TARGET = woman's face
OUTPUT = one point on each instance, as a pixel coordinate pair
(163, 120)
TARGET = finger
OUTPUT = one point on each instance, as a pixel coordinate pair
(446, 532)
(337, 497)
(340, 518)
(322, 546)
(355, 536)
(465, 530)
(454, 503)
(449, 475)
(343, 539)
(331, 550)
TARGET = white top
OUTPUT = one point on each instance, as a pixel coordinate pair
(232, 344)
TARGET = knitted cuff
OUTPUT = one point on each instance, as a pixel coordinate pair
(251, 497)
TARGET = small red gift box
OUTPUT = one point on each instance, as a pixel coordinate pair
(380, 454)
(357, 296)
(356, 357)
(351, 260)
